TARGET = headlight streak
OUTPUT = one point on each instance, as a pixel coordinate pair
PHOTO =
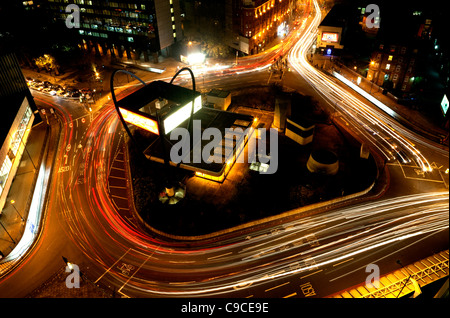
(369, 218)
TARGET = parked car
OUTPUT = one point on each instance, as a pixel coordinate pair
(85, 91)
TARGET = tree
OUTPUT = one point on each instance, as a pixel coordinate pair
(48, 62)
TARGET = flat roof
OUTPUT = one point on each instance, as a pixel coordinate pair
(218, 93)
(155, 90)
(222, 120)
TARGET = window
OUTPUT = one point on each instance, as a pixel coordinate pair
(4, 172)
(390, 57)
(398, 68)
(130, 39)
(388, 66)
(395, 77)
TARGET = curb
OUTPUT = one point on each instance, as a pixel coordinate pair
(298, 212)
(12, 264)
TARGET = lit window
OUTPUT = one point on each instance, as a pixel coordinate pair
(390, 58)
(388, 66)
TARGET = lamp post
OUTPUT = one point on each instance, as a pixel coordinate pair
(12, 203)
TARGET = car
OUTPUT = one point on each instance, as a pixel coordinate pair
(52, 92)
(85, 91)
(60, 92)
(46, 90)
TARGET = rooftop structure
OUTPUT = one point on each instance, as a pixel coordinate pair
(160, 107)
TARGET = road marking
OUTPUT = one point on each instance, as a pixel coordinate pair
(276, 286)
(64, 169)
(121, 169)
(135, 272)
(116, 196)
(117, 187)
(311, 274)
(112, 265)
(290, 295)
(217, 256)
(342, 262)
(117, 177)
(308, 290)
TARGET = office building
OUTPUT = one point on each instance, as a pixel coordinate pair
(254, 24)
(17, 107)
(124, 28)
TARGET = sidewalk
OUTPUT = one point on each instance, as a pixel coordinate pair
(412, 118)
(14, 217)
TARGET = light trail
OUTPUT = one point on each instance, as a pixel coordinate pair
(296, 247)
(162, 268)
(391, 142)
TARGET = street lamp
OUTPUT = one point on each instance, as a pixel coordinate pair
(12, 203)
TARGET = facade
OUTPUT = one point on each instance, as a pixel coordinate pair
(131, 28)
(300, 130)
(395, 63)
(329, 37)
(220, 98)
(253, 24)
(17, 107)
(323, 161)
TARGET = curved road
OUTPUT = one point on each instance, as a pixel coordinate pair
(313, 256)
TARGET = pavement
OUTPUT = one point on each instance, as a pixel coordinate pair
(13, 217)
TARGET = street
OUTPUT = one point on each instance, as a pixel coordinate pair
(309, 256)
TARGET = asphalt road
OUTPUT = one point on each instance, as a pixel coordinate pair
(313, 256)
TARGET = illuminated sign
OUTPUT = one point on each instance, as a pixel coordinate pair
(180, 115)
(444, 104)
(140, 121)
(329, 37)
